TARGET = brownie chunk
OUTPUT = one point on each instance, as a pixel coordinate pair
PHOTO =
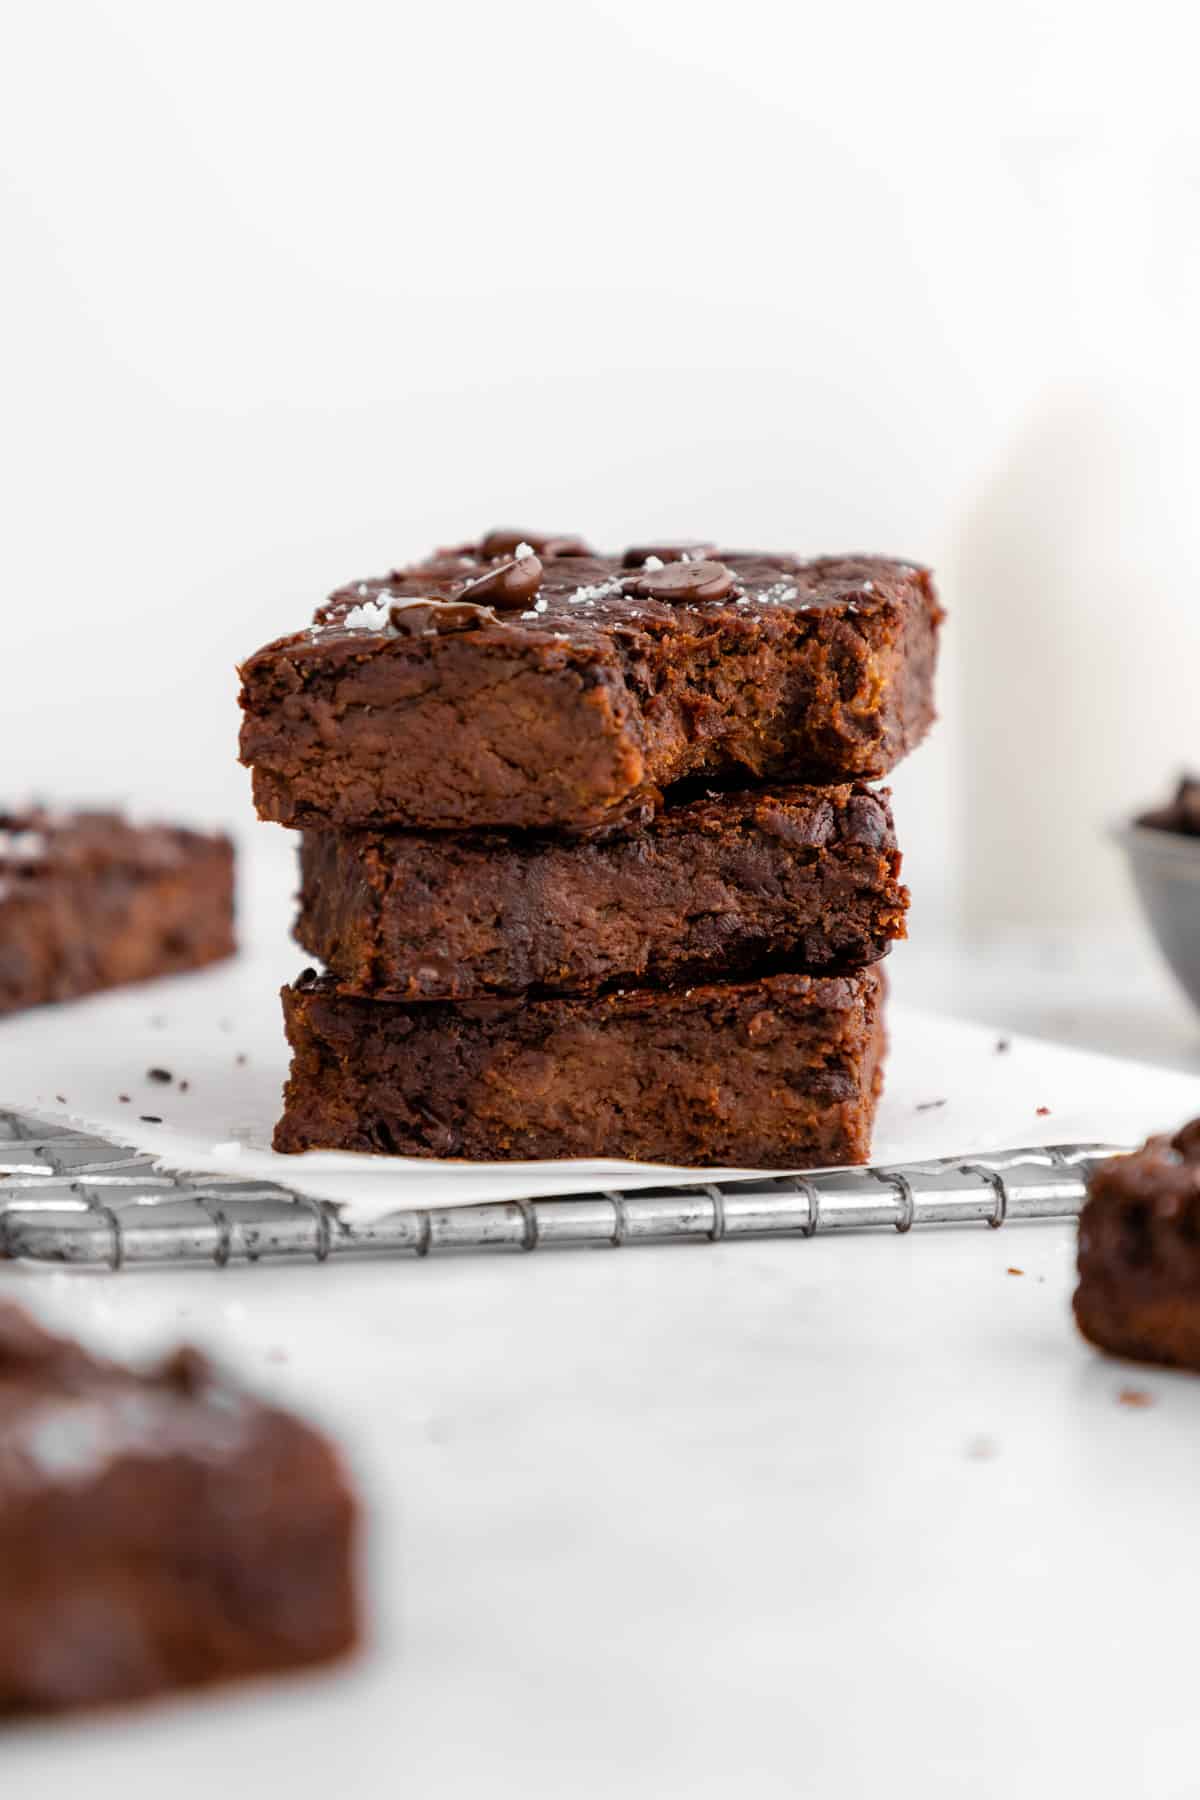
(800, 878)
(89, 901)
(1181, 813)
(561, 692)
(1139, 1253)
(158, 1530)
(782, 1072)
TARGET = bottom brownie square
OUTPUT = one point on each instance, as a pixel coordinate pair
(782, 1072)
(1139, 1253)
(158, 1531)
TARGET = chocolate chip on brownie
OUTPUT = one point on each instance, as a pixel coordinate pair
(509, 586)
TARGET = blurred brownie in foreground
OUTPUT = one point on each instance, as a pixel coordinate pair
(90, 901)
(1139, 1253)
(158, 1531)
(727, 884)
(532, 685)
(781, 1072)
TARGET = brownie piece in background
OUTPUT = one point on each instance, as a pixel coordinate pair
(781, 1072)
(1181, 813)
(158, 1531)
(1139, 1253)
(89, 901)
(800, 878)
(561, 691)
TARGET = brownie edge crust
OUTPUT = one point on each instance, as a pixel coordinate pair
(1139, 1253)
(781, 1072)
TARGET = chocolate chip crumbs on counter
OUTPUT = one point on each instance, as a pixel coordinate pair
(1135, 1397)
(159, 1075)
(150, 1118)
(1014, 1271)
(1003, 1046)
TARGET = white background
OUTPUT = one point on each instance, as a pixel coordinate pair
(292, 291)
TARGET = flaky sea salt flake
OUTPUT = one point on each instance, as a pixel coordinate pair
(367, 617)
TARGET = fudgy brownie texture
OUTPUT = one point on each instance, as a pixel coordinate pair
(1139, 1253)
(782, 1072)
(89, 901)
(1182, 813)
(477, 690)
(158, 1530)
(798, 878)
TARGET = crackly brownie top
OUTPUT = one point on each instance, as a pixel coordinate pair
(557, 586)
(66, 1416)
(38, 842)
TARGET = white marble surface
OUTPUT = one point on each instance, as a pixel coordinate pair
(832, 1518)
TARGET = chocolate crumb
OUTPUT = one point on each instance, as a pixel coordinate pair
(1016, 1271)
(184, 1086)
(1003, 1046)
(158, 1075)
(241, 1058)
(61, 1098)
(929, 1105)
(150, 1118)
(1135, 1397)
(124, 1099)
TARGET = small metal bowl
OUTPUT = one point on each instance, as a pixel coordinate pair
(1165, 866)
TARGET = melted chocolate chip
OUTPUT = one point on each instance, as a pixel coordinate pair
(1187, 1141)
(509, 586)
(548, 543)
(684, 581)
(414, 618)
(690, 548)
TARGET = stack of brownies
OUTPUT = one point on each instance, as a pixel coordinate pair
(586, 850)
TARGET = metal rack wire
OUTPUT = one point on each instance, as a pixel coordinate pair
(70, 1198)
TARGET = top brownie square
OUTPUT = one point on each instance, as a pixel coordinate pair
(525, 683)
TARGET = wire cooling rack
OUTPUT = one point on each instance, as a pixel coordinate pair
(68, 1197)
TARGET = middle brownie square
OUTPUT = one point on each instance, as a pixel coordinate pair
(798, 878)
